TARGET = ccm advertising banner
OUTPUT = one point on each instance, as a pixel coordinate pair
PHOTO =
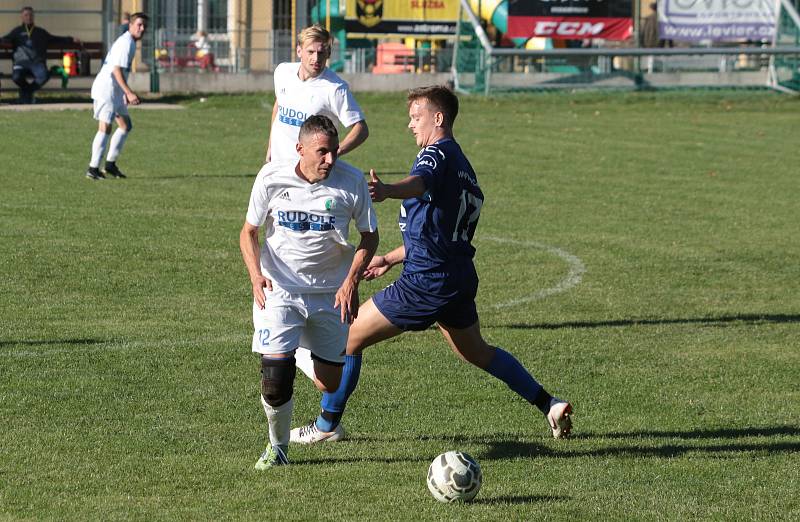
(407, 17)
(720, 20)
(570, 19)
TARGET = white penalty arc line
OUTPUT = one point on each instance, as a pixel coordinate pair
(574, 276)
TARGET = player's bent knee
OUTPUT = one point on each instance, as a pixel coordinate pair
(128, 123)
(360, 340)
(356, 348)
(480, 357)
(469, 345)
(327, 376)
(326, 385)
(277, 380)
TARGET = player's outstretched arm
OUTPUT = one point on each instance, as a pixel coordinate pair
(248, 244)
(410, 187)
(347, 295)
(358, 134)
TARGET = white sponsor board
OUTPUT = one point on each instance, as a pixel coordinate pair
(718, 20)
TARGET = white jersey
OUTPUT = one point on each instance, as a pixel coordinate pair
(105, 86)
(327, 94)
(307, 224)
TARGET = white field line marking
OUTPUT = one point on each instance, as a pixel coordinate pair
(574, 276)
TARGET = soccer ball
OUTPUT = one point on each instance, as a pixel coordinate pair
(454, 477)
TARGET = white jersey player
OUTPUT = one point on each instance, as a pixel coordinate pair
(307, 88)
(111, 96)
(305, 277)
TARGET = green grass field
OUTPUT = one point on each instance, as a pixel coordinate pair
(638, 252)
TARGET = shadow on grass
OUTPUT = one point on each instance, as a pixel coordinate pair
(720, 433)
(508, 450)
(515, 450)
(724, 320)
(519, 499)
(48, 342)
(730, 443)
(503, 446)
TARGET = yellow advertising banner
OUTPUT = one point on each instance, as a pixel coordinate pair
(409, 17)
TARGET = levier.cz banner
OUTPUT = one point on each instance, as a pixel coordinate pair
(570, 19)
(720, 20)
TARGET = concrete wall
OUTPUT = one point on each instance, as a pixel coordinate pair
(256, 82)
(263, 82)
(88, 27)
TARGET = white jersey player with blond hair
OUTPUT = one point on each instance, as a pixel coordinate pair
(305, 276)
(307, 88)
(304, 89)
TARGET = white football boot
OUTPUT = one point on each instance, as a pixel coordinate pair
(560, 418)
(311, 434)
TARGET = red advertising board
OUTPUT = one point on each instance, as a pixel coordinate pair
(570, 19)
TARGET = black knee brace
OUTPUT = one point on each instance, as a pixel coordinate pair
(277, 380)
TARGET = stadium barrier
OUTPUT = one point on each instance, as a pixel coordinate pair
(711, 67)
(478, 66)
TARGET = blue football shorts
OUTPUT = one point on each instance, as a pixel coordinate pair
(416, 301)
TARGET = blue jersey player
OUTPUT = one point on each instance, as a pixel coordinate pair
(441, 206)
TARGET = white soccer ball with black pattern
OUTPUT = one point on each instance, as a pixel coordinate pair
(454, 477)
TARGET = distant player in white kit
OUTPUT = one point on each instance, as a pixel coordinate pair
(305, 277)
(111, 96)
(306, 88)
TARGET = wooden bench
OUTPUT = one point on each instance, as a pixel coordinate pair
(92, 50)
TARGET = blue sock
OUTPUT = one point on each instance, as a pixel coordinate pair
(508, 369)
(333, 404)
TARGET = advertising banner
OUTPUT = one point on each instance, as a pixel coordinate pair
(570, 19)
(719, 20)
(404, 17)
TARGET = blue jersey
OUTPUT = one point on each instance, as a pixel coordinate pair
(438, 226)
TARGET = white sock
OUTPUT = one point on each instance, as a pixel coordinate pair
(117, 141)
(280, 422)
(98, 147)
(304, 362)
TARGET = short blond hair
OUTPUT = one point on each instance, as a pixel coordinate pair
(314, 33)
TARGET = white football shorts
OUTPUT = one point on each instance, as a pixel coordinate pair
(292, 320)
(105, 110)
